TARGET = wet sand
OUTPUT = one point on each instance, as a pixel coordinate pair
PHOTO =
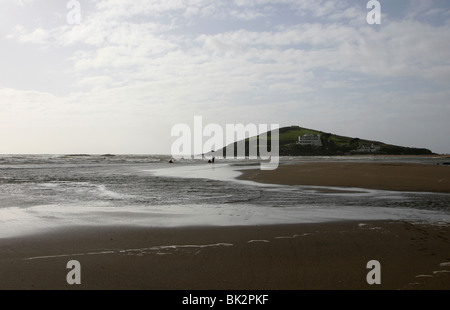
(320, 256)
(384, 176)
(277, 257)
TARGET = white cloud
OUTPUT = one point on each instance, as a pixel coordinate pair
(37, 36)
(23, 2)
(133, 60)
(246, 14)
(404, 48)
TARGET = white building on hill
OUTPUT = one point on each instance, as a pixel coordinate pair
(310, 140)
(374, 148)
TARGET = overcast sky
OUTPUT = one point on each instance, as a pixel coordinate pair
(132, 69)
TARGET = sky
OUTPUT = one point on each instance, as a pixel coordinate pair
(122, 76)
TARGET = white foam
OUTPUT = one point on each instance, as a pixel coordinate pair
(424, 276)
(139, 251)
(293, 236)
(103, 192)
(441, 271)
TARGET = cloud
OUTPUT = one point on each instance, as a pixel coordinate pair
(179, 58)
(114, 39)
(38, 36)
(246, 14)
(23, 2)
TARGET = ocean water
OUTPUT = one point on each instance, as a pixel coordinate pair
(44, 192)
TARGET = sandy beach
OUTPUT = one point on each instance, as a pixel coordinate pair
(280, 257)
(319, 256)
(384, 176)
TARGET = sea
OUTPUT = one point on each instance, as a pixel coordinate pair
(41, 193)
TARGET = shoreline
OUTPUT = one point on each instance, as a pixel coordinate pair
(393, 176)
(329, 255)
(317, 256)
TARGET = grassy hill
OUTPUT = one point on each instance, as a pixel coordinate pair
(331, 145)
